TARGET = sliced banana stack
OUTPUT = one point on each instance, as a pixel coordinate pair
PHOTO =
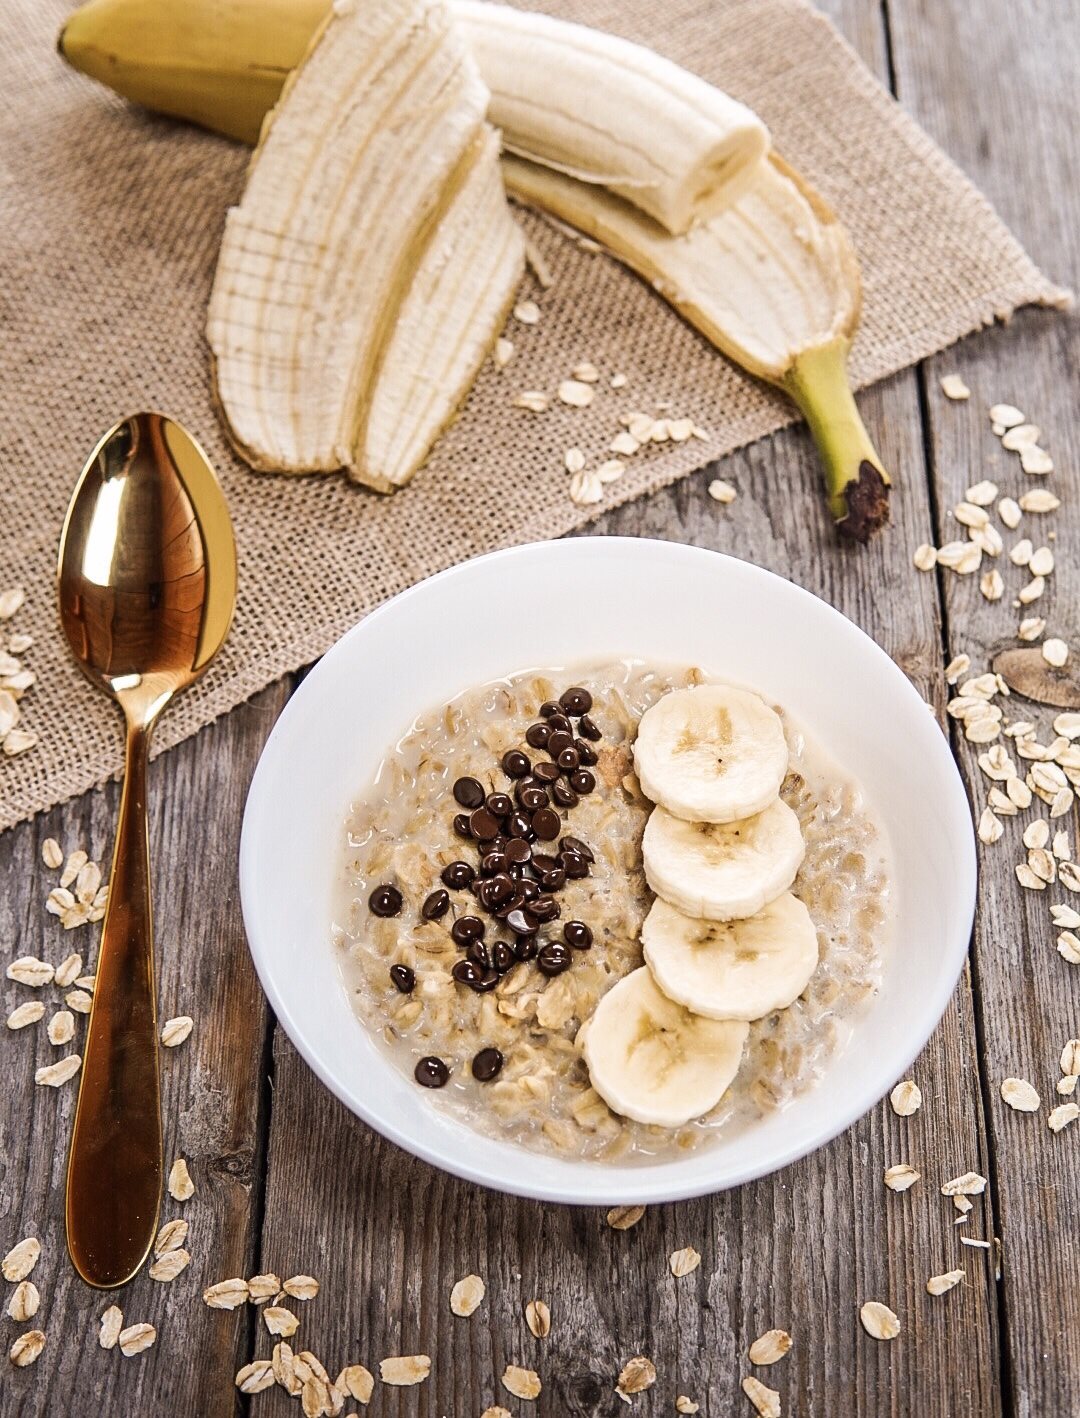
(725, 942)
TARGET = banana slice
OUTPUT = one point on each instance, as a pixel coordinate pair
(652, 1060)
(722, 870)
(732, 969)
(711, 754)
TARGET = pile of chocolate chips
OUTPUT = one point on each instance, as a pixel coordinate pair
(518, 876)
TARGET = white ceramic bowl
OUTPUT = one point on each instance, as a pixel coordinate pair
(596, 597)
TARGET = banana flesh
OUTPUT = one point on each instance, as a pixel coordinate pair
(356, 210)
(654, 1061)
(735, 969)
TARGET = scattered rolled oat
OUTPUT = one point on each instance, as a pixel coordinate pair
(169, 1265)
(683, 1404)
(1008, 415)
(1035, 460)
(574, 459)
(175, 1031)
(637, 1375)
(939, 1284)
(962, 1204)
(57, 1074)
(535, 400)
(585, 372)
(263, 1287)
(538, 1318)
(925, 557)
(957, 668)
(624, 444)
(1009, 510)
(171, 1237)
(765, 1400)
(284, 1363)
(112, 1322)
(1066, 1084)
(26, 1348)
(618, 381)
(771, 1346)
(61, 1027)
(1042, 562)
(982, 494)
(610, 471)
(277, 1319)
(24, 1014)
(52, 853)
(1039, 499)
(527, 312)
(226, 1294)
(1021, 433)
(357, 1382)
(466, 1295)
(969, 1184)
(953, 387)
(301, 1287)
(621, 1218)
(969, 514)
(136, 1338)
(414, 1368)
(1070, 1056)
(684, 1261)
(67, 972)
(256, 1376)
(722, 492)
(879, 1321)
(906, 1098)
(1055, 652)
(496, 1411)
(29, 970)
(585, 489)
(901, 1177)
(504, 352)
(24, 1301)
(79, 1001)
(1069, 947)
(181, 1187)
(1020, 555)
(11, 600)
(991, 585)
(19, 741)
(576, 394)
(990, 827)
(1032, 591)
(1062, 1116)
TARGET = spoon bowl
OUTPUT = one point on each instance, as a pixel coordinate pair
(146, 584)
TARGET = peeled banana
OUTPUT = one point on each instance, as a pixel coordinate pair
(368, 266)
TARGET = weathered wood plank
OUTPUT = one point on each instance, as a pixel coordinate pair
(1001, 97)
(211, 1087)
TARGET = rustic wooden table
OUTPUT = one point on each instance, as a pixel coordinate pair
(288, 1180)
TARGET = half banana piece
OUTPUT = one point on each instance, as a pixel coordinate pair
(654, 1061)
(740, 969)
(721, 871)
(372, 258)
(712, 753)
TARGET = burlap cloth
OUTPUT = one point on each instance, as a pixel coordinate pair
(109, 227)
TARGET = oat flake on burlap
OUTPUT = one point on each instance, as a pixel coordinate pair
(108, 234)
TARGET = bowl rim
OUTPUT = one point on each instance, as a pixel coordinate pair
(652, 1189)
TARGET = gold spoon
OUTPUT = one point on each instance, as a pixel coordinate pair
(147, 584)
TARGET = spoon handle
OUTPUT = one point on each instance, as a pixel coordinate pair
(115, 1163)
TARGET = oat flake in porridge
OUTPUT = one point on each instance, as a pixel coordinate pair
(398, 968)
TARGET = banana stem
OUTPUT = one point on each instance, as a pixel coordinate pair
(856, 480)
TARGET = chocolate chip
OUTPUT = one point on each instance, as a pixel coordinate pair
(575, 844)
(553, 880)
(553, 958)
(529, 891)
(500, 889)
(466, 929)
(532, 797)
(518, 851)
(487, 981)
(403, 978)
(549, 707)
(478, 954)
(483, 825)
(586, 753)
(561, 723)
(515, 763)
(545, 908)
(466, 972)
(431, 1072)
(582, 781)
(525, 947)
(574, 865)
(546, 823)
(558, 741)
(564, 795)
(576, 701)
(522, 922)
(546, 772)
(458, 875)
(461, 825)
(543, 861)
(577, 934)
(521, 826)
(499, 804)
(569, 760)
(492, 863)
(385, 901)
(469, 792)
(588, 728)
(502, 956)
(486, 1064)
(537, 735)
(435, 905)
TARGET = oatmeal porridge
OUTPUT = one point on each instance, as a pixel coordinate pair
(494, 891)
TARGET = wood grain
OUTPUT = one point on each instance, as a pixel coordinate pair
(212, 1094)
(998, 99)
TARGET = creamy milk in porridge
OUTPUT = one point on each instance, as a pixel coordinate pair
(500, 1040)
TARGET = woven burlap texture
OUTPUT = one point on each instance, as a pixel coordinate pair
(109, 227)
